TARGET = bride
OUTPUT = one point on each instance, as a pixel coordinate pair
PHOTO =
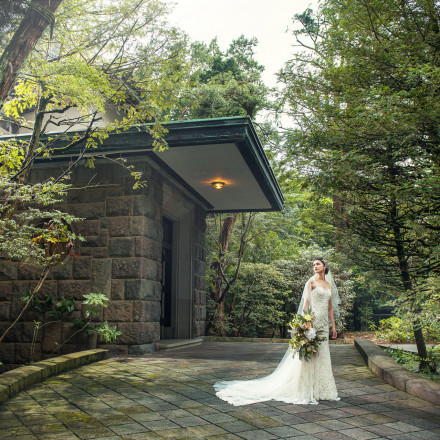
(294, 380)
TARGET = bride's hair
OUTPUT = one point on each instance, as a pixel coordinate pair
(323, 262)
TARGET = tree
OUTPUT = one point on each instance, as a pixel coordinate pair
(224, 270)
(363, 96)
(98, 59)
(223, 83)
(39, 14)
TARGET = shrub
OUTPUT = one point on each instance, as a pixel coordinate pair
(395, 329)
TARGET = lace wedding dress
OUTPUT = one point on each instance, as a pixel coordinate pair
(294, 380)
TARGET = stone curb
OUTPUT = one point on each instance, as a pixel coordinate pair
(391, 372)
(19, 379)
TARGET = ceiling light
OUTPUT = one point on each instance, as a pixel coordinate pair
(218, 184)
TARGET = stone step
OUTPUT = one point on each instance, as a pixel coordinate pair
(171, 344)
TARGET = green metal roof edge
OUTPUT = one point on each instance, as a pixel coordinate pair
(241, 131)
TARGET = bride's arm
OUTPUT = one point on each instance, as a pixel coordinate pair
(308, 288)
(332, 319)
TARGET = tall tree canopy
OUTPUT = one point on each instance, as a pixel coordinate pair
(223, 83)
(364, 97)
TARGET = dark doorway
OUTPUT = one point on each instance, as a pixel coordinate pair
(167, 279)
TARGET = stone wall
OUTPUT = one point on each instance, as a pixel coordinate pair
(121, 257)
(199, 309)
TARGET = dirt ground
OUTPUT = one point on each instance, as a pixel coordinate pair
(371, 336)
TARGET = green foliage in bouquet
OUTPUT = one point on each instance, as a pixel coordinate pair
(305, 338)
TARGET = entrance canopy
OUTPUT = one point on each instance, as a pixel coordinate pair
(201, 152)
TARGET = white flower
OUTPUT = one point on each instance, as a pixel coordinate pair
(310, 334)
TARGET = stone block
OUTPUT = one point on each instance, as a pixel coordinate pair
(200, 253)
(5, 290)
(21, 332)
(4, 393)
(115, 349)
(158, 191)
(369, 349)
(85, 251)
(144, 206)
(49, 287)
(101, 276)
(52, 336)
(199, 282)
(74, 288)
(119, 227)
(397, 377)
(199, 313)
(100, 252)
(117, 289)
(87, 227)
(82, 268)
(67, 331)
(199, 297)
(119, 206)
(63, 271)
(143, 290)
(152, 269)
(199, 237)
(138, 225)
(104, 222)
(89, 211)
(153, 230)
(28, 272)
(121, 247)
(200, 218)
(138, 333)
(378, 364)
(134, 268)
(7, 352)
(26, 352)
(139, 350)
(198, 328)
(119, 311)
(145, 247)
(146, 311)
(424, 389)
(8, 270)
(5, 311)
(63, 363)
(19, 287)
(199, 267)
(94, 241)
(15, 380)
(99, 194)
(29, 315)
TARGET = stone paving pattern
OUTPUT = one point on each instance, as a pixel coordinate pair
(170, 396)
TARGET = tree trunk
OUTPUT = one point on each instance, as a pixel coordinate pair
(38, 15)
(224, 238)
(407, 284)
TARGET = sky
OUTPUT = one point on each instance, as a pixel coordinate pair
(267, 20)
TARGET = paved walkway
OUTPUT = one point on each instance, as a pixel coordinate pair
(406, 347)
(170, 396)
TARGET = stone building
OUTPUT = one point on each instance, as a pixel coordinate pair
(144, 248)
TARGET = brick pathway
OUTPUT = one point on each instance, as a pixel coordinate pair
(170, 396)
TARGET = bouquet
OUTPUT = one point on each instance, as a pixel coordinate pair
(305, 339)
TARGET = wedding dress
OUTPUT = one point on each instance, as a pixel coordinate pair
(294, 380)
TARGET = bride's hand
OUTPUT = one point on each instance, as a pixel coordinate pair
(335, 333)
